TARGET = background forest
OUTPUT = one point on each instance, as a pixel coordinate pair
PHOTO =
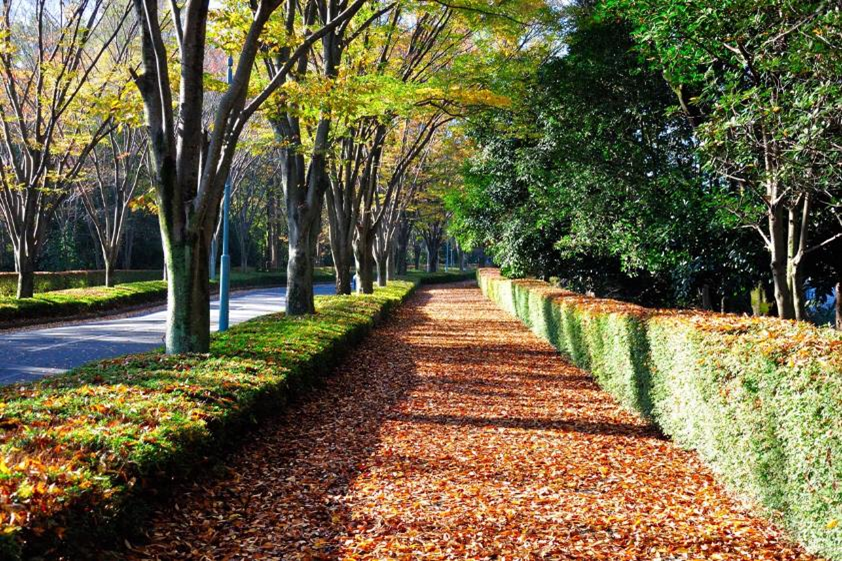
(673, 155)
(653, 151)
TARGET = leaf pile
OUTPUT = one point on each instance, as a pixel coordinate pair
(452, 432)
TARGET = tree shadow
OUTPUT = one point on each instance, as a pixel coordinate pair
(297, 466)
(581, 426)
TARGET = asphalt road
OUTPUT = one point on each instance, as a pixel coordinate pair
(32, 354)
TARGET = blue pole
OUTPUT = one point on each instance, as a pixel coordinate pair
(225, 261)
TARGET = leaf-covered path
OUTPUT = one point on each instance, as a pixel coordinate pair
(452, 432)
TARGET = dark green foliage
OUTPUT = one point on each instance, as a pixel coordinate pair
(440, 277)
(757, 398)
(594, 180)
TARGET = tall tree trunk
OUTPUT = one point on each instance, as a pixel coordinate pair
(382, 248)
(778, 230)
(401, 258)
(188, 310)
(127, 250)
(432, 257)
(342, 268)
(402, 246)
(109, 257)
(838, 305)
(416, 255)
(364, 258)
(300, 264)
(707, 302)
(272, 231)
(340, 233)
(244, 254)
(382, 270)
(26, 274)
(391, 265)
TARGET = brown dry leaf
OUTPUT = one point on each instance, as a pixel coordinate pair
(452, 432)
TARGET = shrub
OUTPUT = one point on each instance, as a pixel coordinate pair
(760, 399)
(440, 277)
(81, 450)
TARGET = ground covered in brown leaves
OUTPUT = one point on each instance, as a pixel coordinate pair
(452, 432)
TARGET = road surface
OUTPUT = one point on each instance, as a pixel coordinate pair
(32, 354)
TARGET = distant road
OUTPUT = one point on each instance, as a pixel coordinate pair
(32, 354)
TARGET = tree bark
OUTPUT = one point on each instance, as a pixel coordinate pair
(402, 245)
(707, 302)
(391, 266)
(382, 271)
(416, 255)
(244, 255)
(778, 226)
(342, 268)
(188, 310)
(110, 258)
(432, 257)
(838, 305)
(26, 275)
(341, 223)
(364, 258)
(300, 299)
(127, 250)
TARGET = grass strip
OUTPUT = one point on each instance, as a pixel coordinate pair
(80, 452)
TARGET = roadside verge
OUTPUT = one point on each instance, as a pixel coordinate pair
(83, 452)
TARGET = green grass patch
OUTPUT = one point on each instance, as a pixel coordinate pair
(80, 451)
(75, 302)
(760, 399)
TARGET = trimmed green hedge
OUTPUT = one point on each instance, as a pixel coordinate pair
(760, 399)
(80, 451)
(72, 303)
(63, 280)
(441, 277)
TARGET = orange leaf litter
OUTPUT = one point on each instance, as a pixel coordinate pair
(453, 432)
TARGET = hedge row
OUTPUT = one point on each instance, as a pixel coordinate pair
(80, 451)
(760, 399)
(49, 281)
(440, 277)
(81, 302)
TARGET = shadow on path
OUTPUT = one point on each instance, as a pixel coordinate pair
(454, 433)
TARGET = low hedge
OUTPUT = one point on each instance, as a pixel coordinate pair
(80, 451)
(63, 280)
(760, 399)
(76, 302)
(441, 277)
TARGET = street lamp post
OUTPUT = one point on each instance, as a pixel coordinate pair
(225, 260)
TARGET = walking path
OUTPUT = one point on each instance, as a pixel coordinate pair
(31, 354)
(453, 432)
